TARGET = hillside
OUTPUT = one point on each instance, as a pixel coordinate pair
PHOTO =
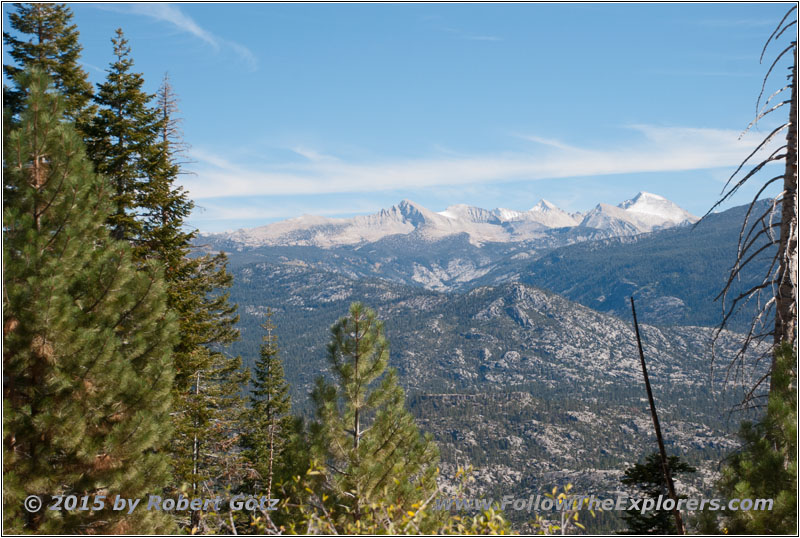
(676, 274)
(470, 326)
(579, 413)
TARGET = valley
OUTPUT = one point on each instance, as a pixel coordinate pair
(519, 356)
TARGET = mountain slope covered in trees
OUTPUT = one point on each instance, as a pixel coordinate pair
(579, 412)
(676, 274)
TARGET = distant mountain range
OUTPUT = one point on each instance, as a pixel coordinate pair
(511, 331)
(677, 271)
(645, 212)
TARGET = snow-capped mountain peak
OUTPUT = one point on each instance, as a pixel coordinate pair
(658, 207)
(544, 206)
(550, 215)
(643, 213)
(642, 197)
(506, 215)
(470, 214)
(413, 213)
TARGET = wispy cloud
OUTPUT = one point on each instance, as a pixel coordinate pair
(91, 66)
(658, 149)
(172, 14)
(552, 142)
(245, 54)
(311, 154)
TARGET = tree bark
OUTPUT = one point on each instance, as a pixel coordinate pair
(662, 451)
(786, 297)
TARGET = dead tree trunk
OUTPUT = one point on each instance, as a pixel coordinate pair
(786, 298)
(664, 462)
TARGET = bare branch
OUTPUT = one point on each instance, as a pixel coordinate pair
(766, 230)
(764, 50)
(763, 143)
(773, 157)
(752, 204)
(764, 114)
(775, 94)
(765, 227)
(769, 72)
(756, 253)
(785, 28)
(750, 396)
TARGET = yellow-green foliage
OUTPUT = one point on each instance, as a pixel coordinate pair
(313, 513)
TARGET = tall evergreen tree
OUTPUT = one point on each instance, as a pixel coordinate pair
(162, 205)
(121, 138)
(52, 46)
(207, 381)
(274, 441)
(270, 423)
(87, 338)
(766, 466)
(208, 385)
(371, 446)
(205, 460)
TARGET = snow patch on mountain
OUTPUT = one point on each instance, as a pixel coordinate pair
(550, 215)
(470, 214)
(657, 209)
(506, 215)
(643, 213)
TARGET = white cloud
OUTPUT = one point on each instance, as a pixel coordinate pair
(659, 149)
(91, 66)
(245, 54)
(552, 142)
(172, 14)
(311, 154)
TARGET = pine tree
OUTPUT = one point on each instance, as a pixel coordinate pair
(368, 441)
(270, 422)
(162, 206)
(205, 462)
(87, 338)
(121, 138)
(648, 479)
(208, 383)
(766, 466)
(274, 441)
(53, 47)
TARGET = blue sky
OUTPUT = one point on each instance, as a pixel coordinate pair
(338, 109)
